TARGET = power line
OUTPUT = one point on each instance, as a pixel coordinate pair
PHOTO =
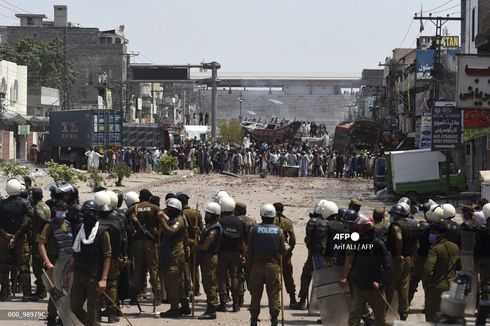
(445, 3)
(15, 11)
(14, 6)
(435, 12)
(406, 34)
(8, 16)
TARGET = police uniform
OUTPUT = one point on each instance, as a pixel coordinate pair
(208, 260)
(57, 239)
(334, 254)
(88, 265)
(42, 214)
(250, 222)
(482, 252)
(193, 218)
(286, 226)
(440, 269)
(419, 263)
(265, 246)
(400, 278)
(173, 261)
(234, 231)
(16, 214)
(143, 250)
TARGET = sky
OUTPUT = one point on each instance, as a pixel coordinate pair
(315, 37)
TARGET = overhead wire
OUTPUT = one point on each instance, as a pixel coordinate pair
(436, 12)
(14, 6)
(8, 8)
(445, 3)
(6, 16)
(406, 34)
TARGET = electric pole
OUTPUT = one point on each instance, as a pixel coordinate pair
(214, 66)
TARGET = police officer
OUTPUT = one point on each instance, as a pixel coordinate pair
(14, 248)
(443, 261)
(403, 244)
(286, 226)
(55, 240)
(333, 255)
(90, 262)
(207, 257)
(42, 215)
(146, 221)
(173, 259)
(193, 219)
(266, 246)
(453, 233)
(316, 242)
(380, 225)
(482, 254)
(241, 213)
(230, 253)
(371, 272)
(433, 215)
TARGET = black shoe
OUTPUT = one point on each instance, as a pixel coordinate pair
(236, 307)
(29, 298)
(59, 322)
(221, 307)
(51, 321)
(40, 293)
(185, 311)
(227, 298)
(403, 316)
(369, 322)
(240, 301)
(133, 302)
(170, 314)
(300, 305)
(274, 322)
(113, 319)
(292, 301)
(253, 322)
(210, 313)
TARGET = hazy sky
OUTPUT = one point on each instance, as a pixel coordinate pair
(336, 38)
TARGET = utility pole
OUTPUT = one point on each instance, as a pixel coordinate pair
(214, 66)
(127, 95)
(65, 105)
(436, 74)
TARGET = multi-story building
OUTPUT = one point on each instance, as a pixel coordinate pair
(98, 57)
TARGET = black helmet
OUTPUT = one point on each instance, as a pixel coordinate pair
(350, 216)
(23, 194)
(89, 205)
(341, 213)
(279, 208)
(37, 193)
(120, 197)
(398, 209)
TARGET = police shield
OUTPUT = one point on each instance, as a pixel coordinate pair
(468, 264)
(331, 300)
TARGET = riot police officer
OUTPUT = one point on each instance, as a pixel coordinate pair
(266, 245)
(453, 232)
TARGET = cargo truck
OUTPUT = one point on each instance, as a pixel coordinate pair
(73, 132)
(421, 172)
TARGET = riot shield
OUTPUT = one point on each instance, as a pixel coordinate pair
(468, 264)
(318, 264)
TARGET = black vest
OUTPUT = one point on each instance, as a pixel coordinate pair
(424, 243)
(233, 232)
(90, 260)
(409, 236)
(64, 240)
(453, 232)
(12, 211)
(266, 238)
(316, 233)
(214, 248)
(382, 234)
(482, 245)
(333, 245)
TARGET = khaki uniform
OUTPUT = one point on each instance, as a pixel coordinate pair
(287, 228)
(250, 223)
(265, 269)
(209, 263)
(46, 236)
(173, 260)
(84, 288)
(42, 214)
(193, 218)
(439, 270)
(142, 250)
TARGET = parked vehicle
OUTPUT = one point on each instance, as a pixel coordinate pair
(420, 172)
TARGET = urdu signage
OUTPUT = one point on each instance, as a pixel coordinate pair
(473, 86)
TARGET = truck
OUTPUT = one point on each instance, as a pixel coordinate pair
(417, 173)
(357, 135)
(72, 132)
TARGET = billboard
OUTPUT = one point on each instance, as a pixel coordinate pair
(473, 85)
(447, 127)
(159, 73)
(426, 52)
(425, 43)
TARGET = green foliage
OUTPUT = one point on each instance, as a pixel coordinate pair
(167, 164)
(12, 169)
(44, 61)
(95, 180)
(231, 131)
(121, 171)
(63, 172)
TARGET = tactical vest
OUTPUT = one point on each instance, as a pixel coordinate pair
(482, 245)
(233, 229)
(214, 248)
(316, 234)
(90, 260)
(453, 232)
(334, 245)
(381, 233)
(172, 242)
(12, 211)
(64, 240)
(409, 236)
(266, 238)
(424, 243)
(111, 223)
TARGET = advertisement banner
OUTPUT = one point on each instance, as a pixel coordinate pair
(425, 63)
(476, 118)
(426, 132)
(447, 127)
(425, 43)
(473, 85)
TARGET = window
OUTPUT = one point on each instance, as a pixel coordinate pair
(473, 25)
(16, 91)
(30, 21)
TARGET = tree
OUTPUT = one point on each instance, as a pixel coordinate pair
(44, 60)
(231, 131)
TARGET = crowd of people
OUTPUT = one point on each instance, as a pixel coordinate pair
(247, 158)
(109, 251)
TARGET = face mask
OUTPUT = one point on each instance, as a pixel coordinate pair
(89, 219)
(432, 238)
(60, 214)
